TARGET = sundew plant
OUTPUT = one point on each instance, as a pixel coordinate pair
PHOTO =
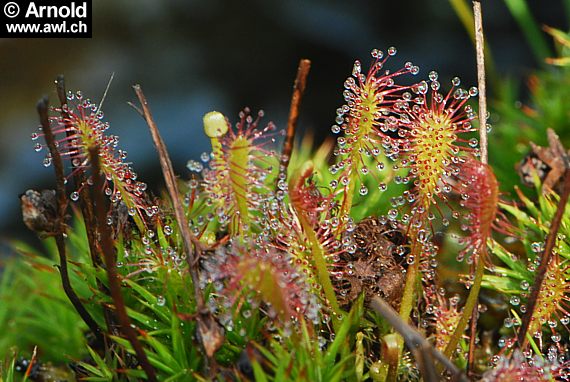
(389, 254)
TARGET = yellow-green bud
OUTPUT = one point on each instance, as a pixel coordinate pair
(215, 124)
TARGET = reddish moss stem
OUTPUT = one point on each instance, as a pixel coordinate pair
(85, 203)
(108, 249)
(86, 207)
(62, 202)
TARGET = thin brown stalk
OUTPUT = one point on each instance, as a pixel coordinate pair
(192, 244)
(298, 91)
(545, 258)
(209, 331)
(461, 8)
(423, 351)
(481, 81)
(483, 144)
(62, 203)
(108, 249)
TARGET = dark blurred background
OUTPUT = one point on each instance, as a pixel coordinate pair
(195, 56)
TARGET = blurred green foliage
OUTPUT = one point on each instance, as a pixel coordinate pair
(34, 310)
